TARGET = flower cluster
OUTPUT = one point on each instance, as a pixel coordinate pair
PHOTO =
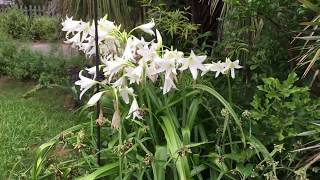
(128, 60)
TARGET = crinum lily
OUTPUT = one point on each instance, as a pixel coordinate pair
(147, 27)
(134, 110)
(231, 66)
(194, 63)
(129, 62)
(84, 83)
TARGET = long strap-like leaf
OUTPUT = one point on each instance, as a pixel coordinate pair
(226, 105)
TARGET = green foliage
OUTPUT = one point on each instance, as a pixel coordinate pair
(258, 34)
(24, 64)
(193, 133)
(171, 142)
(282, 110)
(7, 51)
(307, 41)
(175, 24)
(27, 123)
(15, 23)
(44, 28)
(19, 26)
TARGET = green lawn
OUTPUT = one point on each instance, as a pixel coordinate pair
(26, 123)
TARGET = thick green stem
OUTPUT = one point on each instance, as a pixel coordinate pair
(120, 144)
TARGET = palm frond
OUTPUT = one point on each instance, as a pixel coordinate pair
(123, 11)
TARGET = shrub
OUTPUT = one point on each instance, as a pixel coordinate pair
(15, 23)
(7, 52)
(44, 28)
(20, 26)
(28, 65)
(283, 110)
(176, 26)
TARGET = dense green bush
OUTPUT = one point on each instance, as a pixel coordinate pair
(282, 110)
(15, 23)
(24, 64)
(44, 28)
(258, 34)
(7, 52)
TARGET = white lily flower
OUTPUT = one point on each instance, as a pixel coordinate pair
(168, 62)
(151, 72)
(125, 92)
(215, 67)
(70, 25)
(95, 98)
(147, 27)
(159, 40)
(75, 40)
(106, 26)
(129, 52)
(134, 110)
(134, 74)
(84, 83)
(219, 68)
(194, 63)
(93, 71)
(176, 56)
(121, 82)
(147, 53)
(116, 65)
(109, 46)
(104, 29)
(113, 67)
(84, 28)
(88, 47)
(168, 84)
(231, 66)
(133, 44)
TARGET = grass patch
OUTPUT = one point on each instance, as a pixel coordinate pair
(27, 123)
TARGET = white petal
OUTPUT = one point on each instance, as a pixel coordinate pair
(120, 82)
(233, 74)
(125, 92)
(125, 97)
(159, 39)
(217, 74)
(147, 27)
(84, 91)
(168, 85)
(133, 109)
(95, 98)
(194, 73)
